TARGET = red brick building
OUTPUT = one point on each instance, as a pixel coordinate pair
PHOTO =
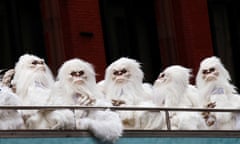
(158, 33)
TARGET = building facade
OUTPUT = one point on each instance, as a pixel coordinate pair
(157, 33)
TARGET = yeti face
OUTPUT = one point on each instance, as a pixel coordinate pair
(31, 68)
(174, 74)
(32, 63)
(38, 64)
(77, 77)
(163, 78)
(76, 72)
(210, 74)
(120, 75)
(211, 70)
(124, 70)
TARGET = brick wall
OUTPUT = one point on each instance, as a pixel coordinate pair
(184, 32)
(83, 16)
(193, 32)
(185, 39)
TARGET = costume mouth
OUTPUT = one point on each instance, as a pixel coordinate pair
(210, 78)
(120, 80)
(160, 81)
(42, 68)
(79, 81)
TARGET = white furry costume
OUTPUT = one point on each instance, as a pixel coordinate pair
(213, 82)
(124, 87)
(76, 85)
(33, 80)
(10, 119)
(172, 89)
(7, 78)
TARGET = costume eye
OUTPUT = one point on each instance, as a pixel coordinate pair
(162, 75)
(73, 73)
(35, 62)
(115, 73)
(77, 74)
(41, 62)
(123, 71)
(120, 72)
(211, 69)
(81, 73)
(204, 72)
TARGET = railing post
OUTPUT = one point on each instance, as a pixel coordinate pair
(168, 120)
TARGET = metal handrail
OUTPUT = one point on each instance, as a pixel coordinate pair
(126, 108)
(50, 133)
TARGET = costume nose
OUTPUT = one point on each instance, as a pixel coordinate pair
(208, 71)
(77, 74)
(120, 72)
(116, 73)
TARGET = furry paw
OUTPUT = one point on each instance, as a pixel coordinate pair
(205, 115)
(85, 100)
(57, 123)
(55, 120)
(26, 114)
(211, 105)
(211, 120)
(127, 118)
(117, 102)
(32, 121)
(7, 78)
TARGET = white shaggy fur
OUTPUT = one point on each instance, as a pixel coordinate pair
(105, 125)
(7, 77)
(10, 119)
(172, 89)
(76, 85)
(213, 82)
(33, 80)
(124, 87)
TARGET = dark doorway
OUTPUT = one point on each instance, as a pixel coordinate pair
(130, 31)
(21, 30)
(225, 26)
